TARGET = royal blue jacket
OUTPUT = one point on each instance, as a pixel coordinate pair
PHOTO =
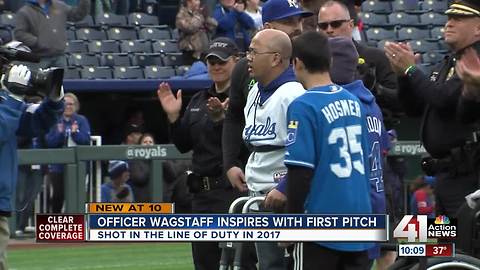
(57, 139)
(20, 119)
(227, 20)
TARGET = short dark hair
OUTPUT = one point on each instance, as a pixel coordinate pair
(313, 50)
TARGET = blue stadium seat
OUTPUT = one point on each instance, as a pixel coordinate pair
(422, 46)
(95, 73)
(442, 46)
(380, 34)
(437, 33)
(111, 19)
(76, 46)
(411, 33)
(71, 73)
(435, 5)
(154, 72)
(135, 46)
(173, 59)
(432, 18)
(372, 19)
(71, 34)
(381, 44)
(181, 70)
(377, 7)
(115, 59)
(165, 46)
(120, 33)
(152, 33)
(128, 73)
(138, 18)
(5, 35)
(88, 33)
(103, 46)
(87, 21)
(147, 59)
(175, 34)
(404, 19)
(7, 19)
(409, 6)
(432, 57)
(82, 59)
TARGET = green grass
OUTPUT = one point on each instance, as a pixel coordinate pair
(168, 256)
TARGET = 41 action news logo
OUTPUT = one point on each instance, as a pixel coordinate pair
(420, 228)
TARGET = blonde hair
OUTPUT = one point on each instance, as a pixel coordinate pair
(75, 100)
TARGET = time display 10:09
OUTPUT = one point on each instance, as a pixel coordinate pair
(417, 250)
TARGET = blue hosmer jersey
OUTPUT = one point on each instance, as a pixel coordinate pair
(327, 132)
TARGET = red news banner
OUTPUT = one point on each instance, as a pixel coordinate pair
(440, 250)
(62, 227)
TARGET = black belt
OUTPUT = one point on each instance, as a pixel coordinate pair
(264, 148)
(198, 183)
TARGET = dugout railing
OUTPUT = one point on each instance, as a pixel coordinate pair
(75, 158)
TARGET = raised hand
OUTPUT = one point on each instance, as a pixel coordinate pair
(216, 108)
(468, 69)
(170, 104)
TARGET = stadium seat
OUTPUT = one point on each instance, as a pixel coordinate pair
(103, 46)
(82, 59)
(173, 59)
(409, 6)
(128, 73)
(181, 70)
(71, 73)
(432, 57)
(402, 18)
(87, 21)
(151, 33)
(120, 33)
(135, 46)
(422, 46)
(175, 34)
(91, 73)
(76, 46)
(435, 5)
(71, 34)
(437, 33)
(154, 72)
(115, 59)
(142, 19)
(377, 7)
(433, 19)
(147, 59)
(380, 34)
(381, 44)
(88, 33)
(7, 19)
(411, 33)
(5, 35)
(372, 19)
(426, 68)
(165, 46)
(442, 46)
(111, 19)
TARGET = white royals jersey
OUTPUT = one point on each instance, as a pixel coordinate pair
(266, 124)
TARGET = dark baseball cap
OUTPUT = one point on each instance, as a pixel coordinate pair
(274, 10)
(222, 48)
(466, 8)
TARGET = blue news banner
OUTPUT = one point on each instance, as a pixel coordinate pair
(237, 227)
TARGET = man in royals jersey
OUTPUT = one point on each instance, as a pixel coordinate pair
(327, 155)
(343, 71)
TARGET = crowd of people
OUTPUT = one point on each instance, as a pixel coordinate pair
(299, 119)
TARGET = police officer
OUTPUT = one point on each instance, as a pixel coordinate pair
(200, 130)
(439, 98)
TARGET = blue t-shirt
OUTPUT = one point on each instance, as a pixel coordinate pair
(327, 132)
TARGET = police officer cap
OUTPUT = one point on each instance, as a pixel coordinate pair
(464, 8)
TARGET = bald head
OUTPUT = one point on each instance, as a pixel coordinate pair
(275, 41)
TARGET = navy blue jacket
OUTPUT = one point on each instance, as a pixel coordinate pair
(227, 20)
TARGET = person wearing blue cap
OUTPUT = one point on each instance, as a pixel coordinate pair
(283, 15)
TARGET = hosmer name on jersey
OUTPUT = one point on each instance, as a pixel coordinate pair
(339, 108)
(374, 125)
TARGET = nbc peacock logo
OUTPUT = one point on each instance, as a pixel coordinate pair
(442, 220)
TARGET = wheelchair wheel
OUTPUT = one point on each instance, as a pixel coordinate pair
(459, 262)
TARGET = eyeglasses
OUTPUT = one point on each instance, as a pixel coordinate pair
(253, 53)
(216, 61)
(334, 24)
(69, 103)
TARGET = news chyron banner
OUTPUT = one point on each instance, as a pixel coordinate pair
(145, 222)
(420, 236)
